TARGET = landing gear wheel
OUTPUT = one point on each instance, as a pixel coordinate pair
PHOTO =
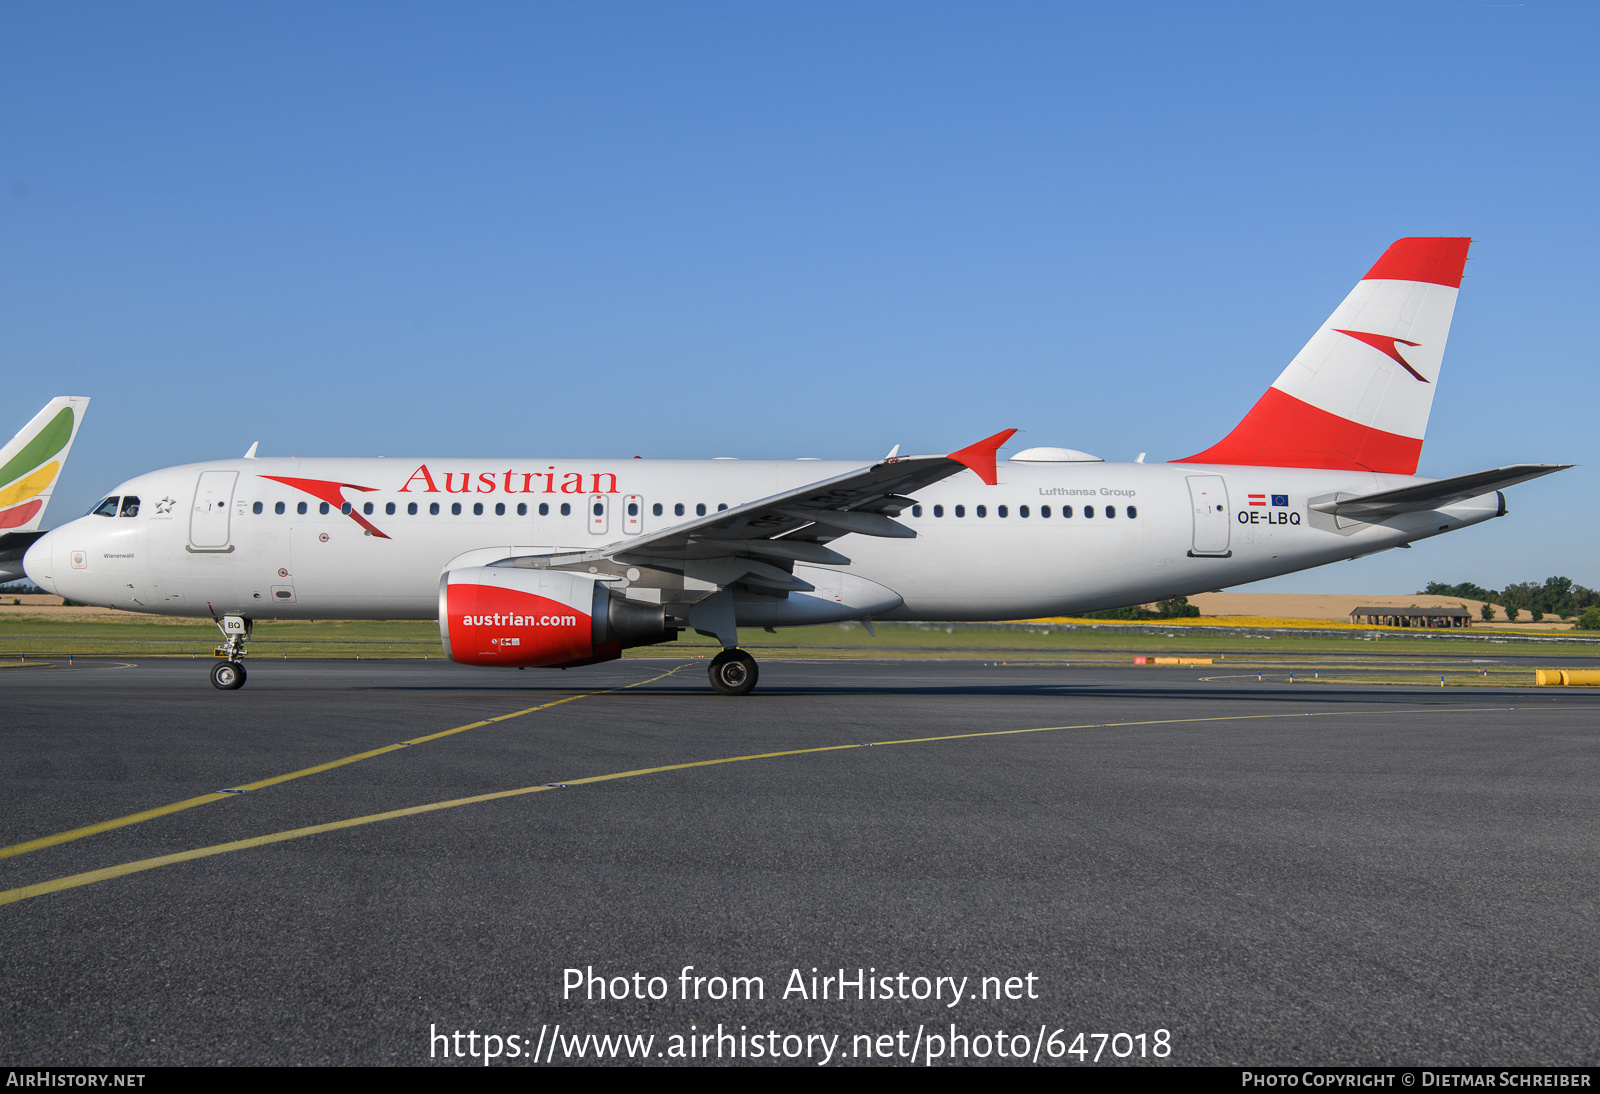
(734, 672)
(227, 676)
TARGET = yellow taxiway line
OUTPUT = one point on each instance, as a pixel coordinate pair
(222, 795)
(73, 881)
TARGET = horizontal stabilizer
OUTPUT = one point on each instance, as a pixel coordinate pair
(1436, 494)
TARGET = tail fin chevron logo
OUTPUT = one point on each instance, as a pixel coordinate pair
(1339, 406)
(1385, 344)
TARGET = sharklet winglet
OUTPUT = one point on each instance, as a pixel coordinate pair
(980, 457)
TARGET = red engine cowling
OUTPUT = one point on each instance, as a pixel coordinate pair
(508, 616)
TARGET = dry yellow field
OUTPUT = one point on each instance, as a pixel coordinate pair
(1336, 608)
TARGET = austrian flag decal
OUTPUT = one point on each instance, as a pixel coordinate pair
(1274, 514)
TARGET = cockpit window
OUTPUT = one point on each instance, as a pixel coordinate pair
(107, 508)
(130, 506)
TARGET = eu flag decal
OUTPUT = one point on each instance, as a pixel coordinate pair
(1280, 500)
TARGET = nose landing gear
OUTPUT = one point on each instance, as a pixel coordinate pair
(734, 672)
(228, 674)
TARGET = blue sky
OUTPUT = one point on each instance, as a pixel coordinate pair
(772, 230)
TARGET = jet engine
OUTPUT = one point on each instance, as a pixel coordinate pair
(501, 615)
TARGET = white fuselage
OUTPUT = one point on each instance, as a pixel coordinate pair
(228, 538)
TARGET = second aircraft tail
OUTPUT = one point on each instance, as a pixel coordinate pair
(31, 462)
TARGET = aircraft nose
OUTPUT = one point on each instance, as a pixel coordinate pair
(38, 563)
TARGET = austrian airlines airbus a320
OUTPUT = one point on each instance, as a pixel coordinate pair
(557, 563)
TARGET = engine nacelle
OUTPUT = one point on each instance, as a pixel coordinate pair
(502, 615)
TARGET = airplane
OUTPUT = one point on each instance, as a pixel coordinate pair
(30, 467)
(564, 562)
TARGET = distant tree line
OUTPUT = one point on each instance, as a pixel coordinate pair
(1557, 596)
(1176, 608)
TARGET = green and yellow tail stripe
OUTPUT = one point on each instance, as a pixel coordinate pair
(28, 487)
(56, 435)
(31, 462)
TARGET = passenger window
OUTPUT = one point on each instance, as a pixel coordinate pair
(1133, 511)
(599, 509)
(677, 510)
(256, 508)
(544, 509)
(455, 509)
(301, 508)
(1022, 510)
(1111, 511)
(961, 510)
(389, 509)
(1066, 511)
(566, 509)
(130, 506)
(700, 510)
(477, 508)
(1088, 510)
(367, 508)
(433, 508)
(916, 510)
(345, 508)
(107, 508)
(983, 510)
(278, 509)
(499, 508)
(655, 510)
(322, 507)
(411, 508)
(1044, 511)
(522, 508)
(721, 505)
(633, 508)
(938, 510)
(1000, 512)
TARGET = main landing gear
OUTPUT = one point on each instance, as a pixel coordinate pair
(228, 674)
(734, 672)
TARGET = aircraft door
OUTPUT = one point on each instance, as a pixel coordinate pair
(599, 514)
(1209, 497)
(633, 514)
(208, 519)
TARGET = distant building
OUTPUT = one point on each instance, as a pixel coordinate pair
(1388, 615)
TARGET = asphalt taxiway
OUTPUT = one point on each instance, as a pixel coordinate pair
(345, 857)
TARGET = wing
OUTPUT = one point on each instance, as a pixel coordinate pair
(757, 543)
(1432, 495)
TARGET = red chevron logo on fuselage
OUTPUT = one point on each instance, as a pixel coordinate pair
(1388, 346)
(332, 493)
